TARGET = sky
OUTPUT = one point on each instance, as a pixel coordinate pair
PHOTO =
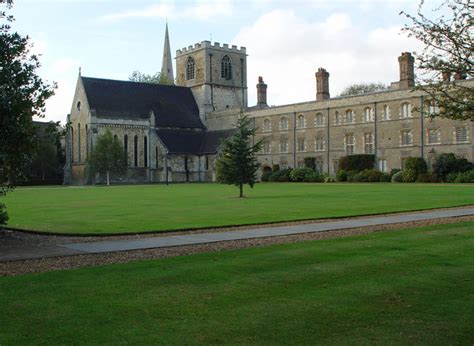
(286, 41)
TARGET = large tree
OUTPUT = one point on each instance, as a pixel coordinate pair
(107, 157)
(22, 96)
(362, 88)
(157, 78)
(447, 57)
(237, 164)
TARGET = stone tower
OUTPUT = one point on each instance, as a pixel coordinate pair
(322, 84)
(166, 64)
(216, 74)
(407, 70)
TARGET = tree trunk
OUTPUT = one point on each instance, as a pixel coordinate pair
(241, 187)
(108, 178)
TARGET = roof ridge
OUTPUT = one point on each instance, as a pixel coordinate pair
(133, 82)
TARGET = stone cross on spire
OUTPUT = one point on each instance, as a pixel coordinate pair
(167, 64)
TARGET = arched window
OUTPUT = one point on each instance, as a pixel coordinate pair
(283, 123)
(115, 138)
(350, 117)
(368, 115)
(156, 157)
(135, 151)
(87, 141)
(267, 125)
(301, 123)
(72, 144)
(190, 68)
(125, 148)
(386, 113)
(319, 120)
(405, 111)
(79, 142)
(226, 68)
(337, 118)
(145, 151)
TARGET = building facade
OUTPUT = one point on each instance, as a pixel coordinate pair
(173, 133)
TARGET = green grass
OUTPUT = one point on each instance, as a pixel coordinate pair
(141, 208)
(412, 286)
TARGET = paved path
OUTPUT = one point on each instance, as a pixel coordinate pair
(190, 239)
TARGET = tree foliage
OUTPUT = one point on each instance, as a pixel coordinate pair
(22, 95)
(447, 57)
(157, 78)
(363, 88)
(107, 157)
(237, 164)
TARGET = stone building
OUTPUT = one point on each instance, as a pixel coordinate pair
(172, 133)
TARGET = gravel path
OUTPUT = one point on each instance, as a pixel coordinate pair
(11, 240)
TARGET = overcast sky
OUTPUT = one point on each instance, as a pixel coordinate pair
(286, 41)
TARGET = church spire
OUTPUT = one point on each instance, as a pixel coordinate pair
(167, 65)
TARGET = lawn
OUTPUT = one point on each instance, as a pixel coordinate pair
(142, 208)
(412, 286)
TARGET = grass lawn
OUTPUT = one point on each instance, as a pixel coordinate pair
(141, 208)
(412, 286)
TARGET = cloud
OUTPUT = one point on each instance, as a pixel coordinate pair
(201, 10)
(287, 50)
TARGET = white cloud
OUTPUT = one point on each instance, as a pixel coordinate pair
(287, 50)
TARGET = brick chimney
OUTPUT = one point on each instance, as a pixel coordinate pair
(322, 84)
(407, 70)
(261, 93)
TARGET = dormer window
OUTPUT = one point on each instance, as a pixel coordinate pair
(226, 68)
(190, 68)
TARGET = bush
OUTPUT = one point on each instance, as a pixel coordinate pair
(465, 177)
(298, 174)
(397, 177)
(341, 175)
(385, 178)
(327, 178)
(373, 175)
(275, 168)
(3, 214)
(394, 171)
(265, 176)
(357, 162)
(313, 177)
(310, 162)
(409, 175)
(450, 163)
(416, 164)
(427, 178)
(282, 175)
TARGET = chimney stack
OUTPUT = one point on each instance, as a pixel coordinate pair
(322, 84)
(407, 70)
(261, 93)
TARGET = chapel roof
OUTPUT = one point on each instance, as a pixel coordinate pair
(173, 106)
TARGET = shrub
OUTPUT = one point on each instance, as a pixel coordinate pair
(328, 178)
(450, 177)
(373, 175)
(465, 177)
(416, 164)
(265, 176)
(298, 174)
(393, 171)
(275, 168)
(450, 163)
(351, 175)
(385, 178)
(427, 178)
(357, 162)
(397, 177)
(313, 177)
(409, 175)
(310, 162)
(3, 214)
(341, 175)
(282, 175)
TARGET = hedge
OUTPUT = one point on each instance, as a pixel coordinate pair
(357, 163)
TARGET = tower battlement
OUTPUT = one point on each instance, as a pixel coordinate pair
(208, 44)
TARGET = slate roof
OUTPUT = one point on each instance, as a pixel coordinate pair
(192, 142)
(173, 106)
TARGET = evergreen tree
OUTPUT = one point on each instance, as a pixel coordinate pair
(237, 164)
(107, 156)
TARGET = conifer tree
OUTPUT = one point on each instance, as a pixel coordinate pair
(237, 164)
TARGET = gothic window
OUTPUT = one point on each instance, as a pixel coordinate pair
(368, 115)
(301, 122)
(72, 144)
(434, 136)
(115, 138)
(78, 105)
(145, 151)
(406, 137)
(319, 120)
(87, 141)
(283, 123)
(383, 165)
(267, 125)
(135, 151)
(461, 134)
(350, 118)
(125, 148)
(320, 143)
(433, 108)
(386, 113)
(369, 143)
(156, 157)
(78, 142)
(226, 68)
(283, 146)
(266, 147)
(301, 145)
(350, 144)
(190, 68)
(405, 111)
(337, 118)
